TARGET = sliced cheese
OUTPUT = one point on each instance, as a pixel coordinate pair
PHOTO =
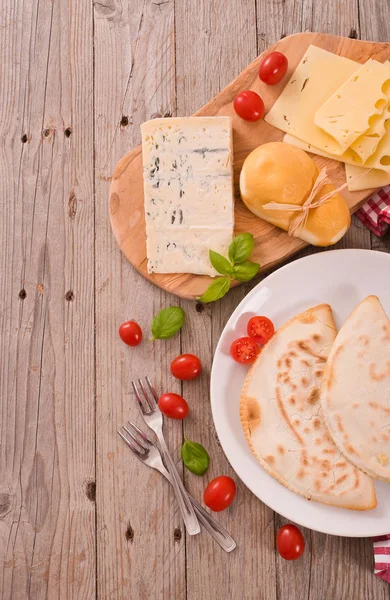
(346, 114)
(366, 145)
(188, 192)
(359, 178)
(317, 77)
(379, 160)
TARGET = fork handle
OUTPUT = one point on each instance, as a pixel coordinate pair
(216, 530)
(186, 508)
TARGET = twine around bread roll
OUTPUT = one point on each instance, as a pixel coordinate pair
(299, 222)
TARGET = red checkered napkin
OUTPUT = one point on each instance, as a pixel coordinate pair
(382, 557)
(375, 213)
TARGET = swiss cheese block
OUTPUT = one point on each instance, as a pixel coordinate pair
(317, 77)
(346, 114)
(188, 192)
(359, 178)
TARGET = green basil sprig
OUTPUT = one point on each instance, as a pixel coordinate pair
(167, 322)
(195, 457)
(236, 267)
(241, 248)
(216, 290)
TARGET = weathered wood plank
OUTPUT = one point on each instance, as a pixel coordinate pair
(140, 540)
(47, 527)
(211, 572)
(277, 19)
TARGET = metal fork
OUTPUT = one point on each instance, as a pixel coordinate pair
(141, 444)
(153, 418)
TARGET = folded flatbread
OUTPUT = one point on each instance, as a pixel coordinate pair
(355, 393)
(281, 415)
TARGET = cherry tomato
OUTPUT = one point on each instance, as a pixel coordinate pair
(249, 106)
(220, 493)
(186, 366)
(173, 406)
(273, 68)
(290, 542)
(244, 350)
(260, 329)
(130, 333)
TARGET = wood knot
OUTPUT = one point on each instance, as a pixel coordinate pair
(124, 121)
(129, 533)
(72, 203)
(107, 9)
(199, 307)
(68, 132)
(114, 203)
(46, 132)
(22, 294)
(353, 34)
(177, 534)
(24, 138)
(5, 504)
(91, 491)
(69, 296)
(40, 288)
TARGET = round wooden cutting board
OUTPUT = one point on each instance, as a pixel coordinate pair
(272, 245)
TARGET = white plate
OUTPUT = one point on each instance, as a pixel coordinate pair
(341, 278)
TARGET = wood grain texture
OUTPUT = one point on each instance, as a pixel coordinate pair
(272, 245)
(140, 536)
(47, 525)
(210, 572)
(77, 80)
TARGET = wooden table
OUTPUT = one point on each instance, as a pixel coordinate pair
(80, 517)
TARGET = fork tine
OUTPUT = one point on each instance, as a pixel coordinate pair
(130, 444)
(136, 438)
(144, 409)
(144, 436)
(151, 388)
(150, 402)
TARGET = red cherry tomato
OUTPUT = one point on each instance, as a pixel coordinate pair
(186, 366)
(220, 493)
(290, 542)
(244, 350)
(249, 106)
(260, 329)
(130, 333)
(273, 68)
(173, 406)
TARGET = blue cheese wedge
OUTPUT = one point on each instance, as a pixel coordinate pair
(188, 192)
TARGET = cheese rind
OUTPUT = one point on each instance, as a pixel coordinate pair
(346, 114)
(187, 191)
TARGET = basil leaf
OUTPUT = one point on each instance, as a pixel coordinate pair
(220, 263)
(241, 247)
(216, 290)
(195, 457)
(246, 271)
(167, 322)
